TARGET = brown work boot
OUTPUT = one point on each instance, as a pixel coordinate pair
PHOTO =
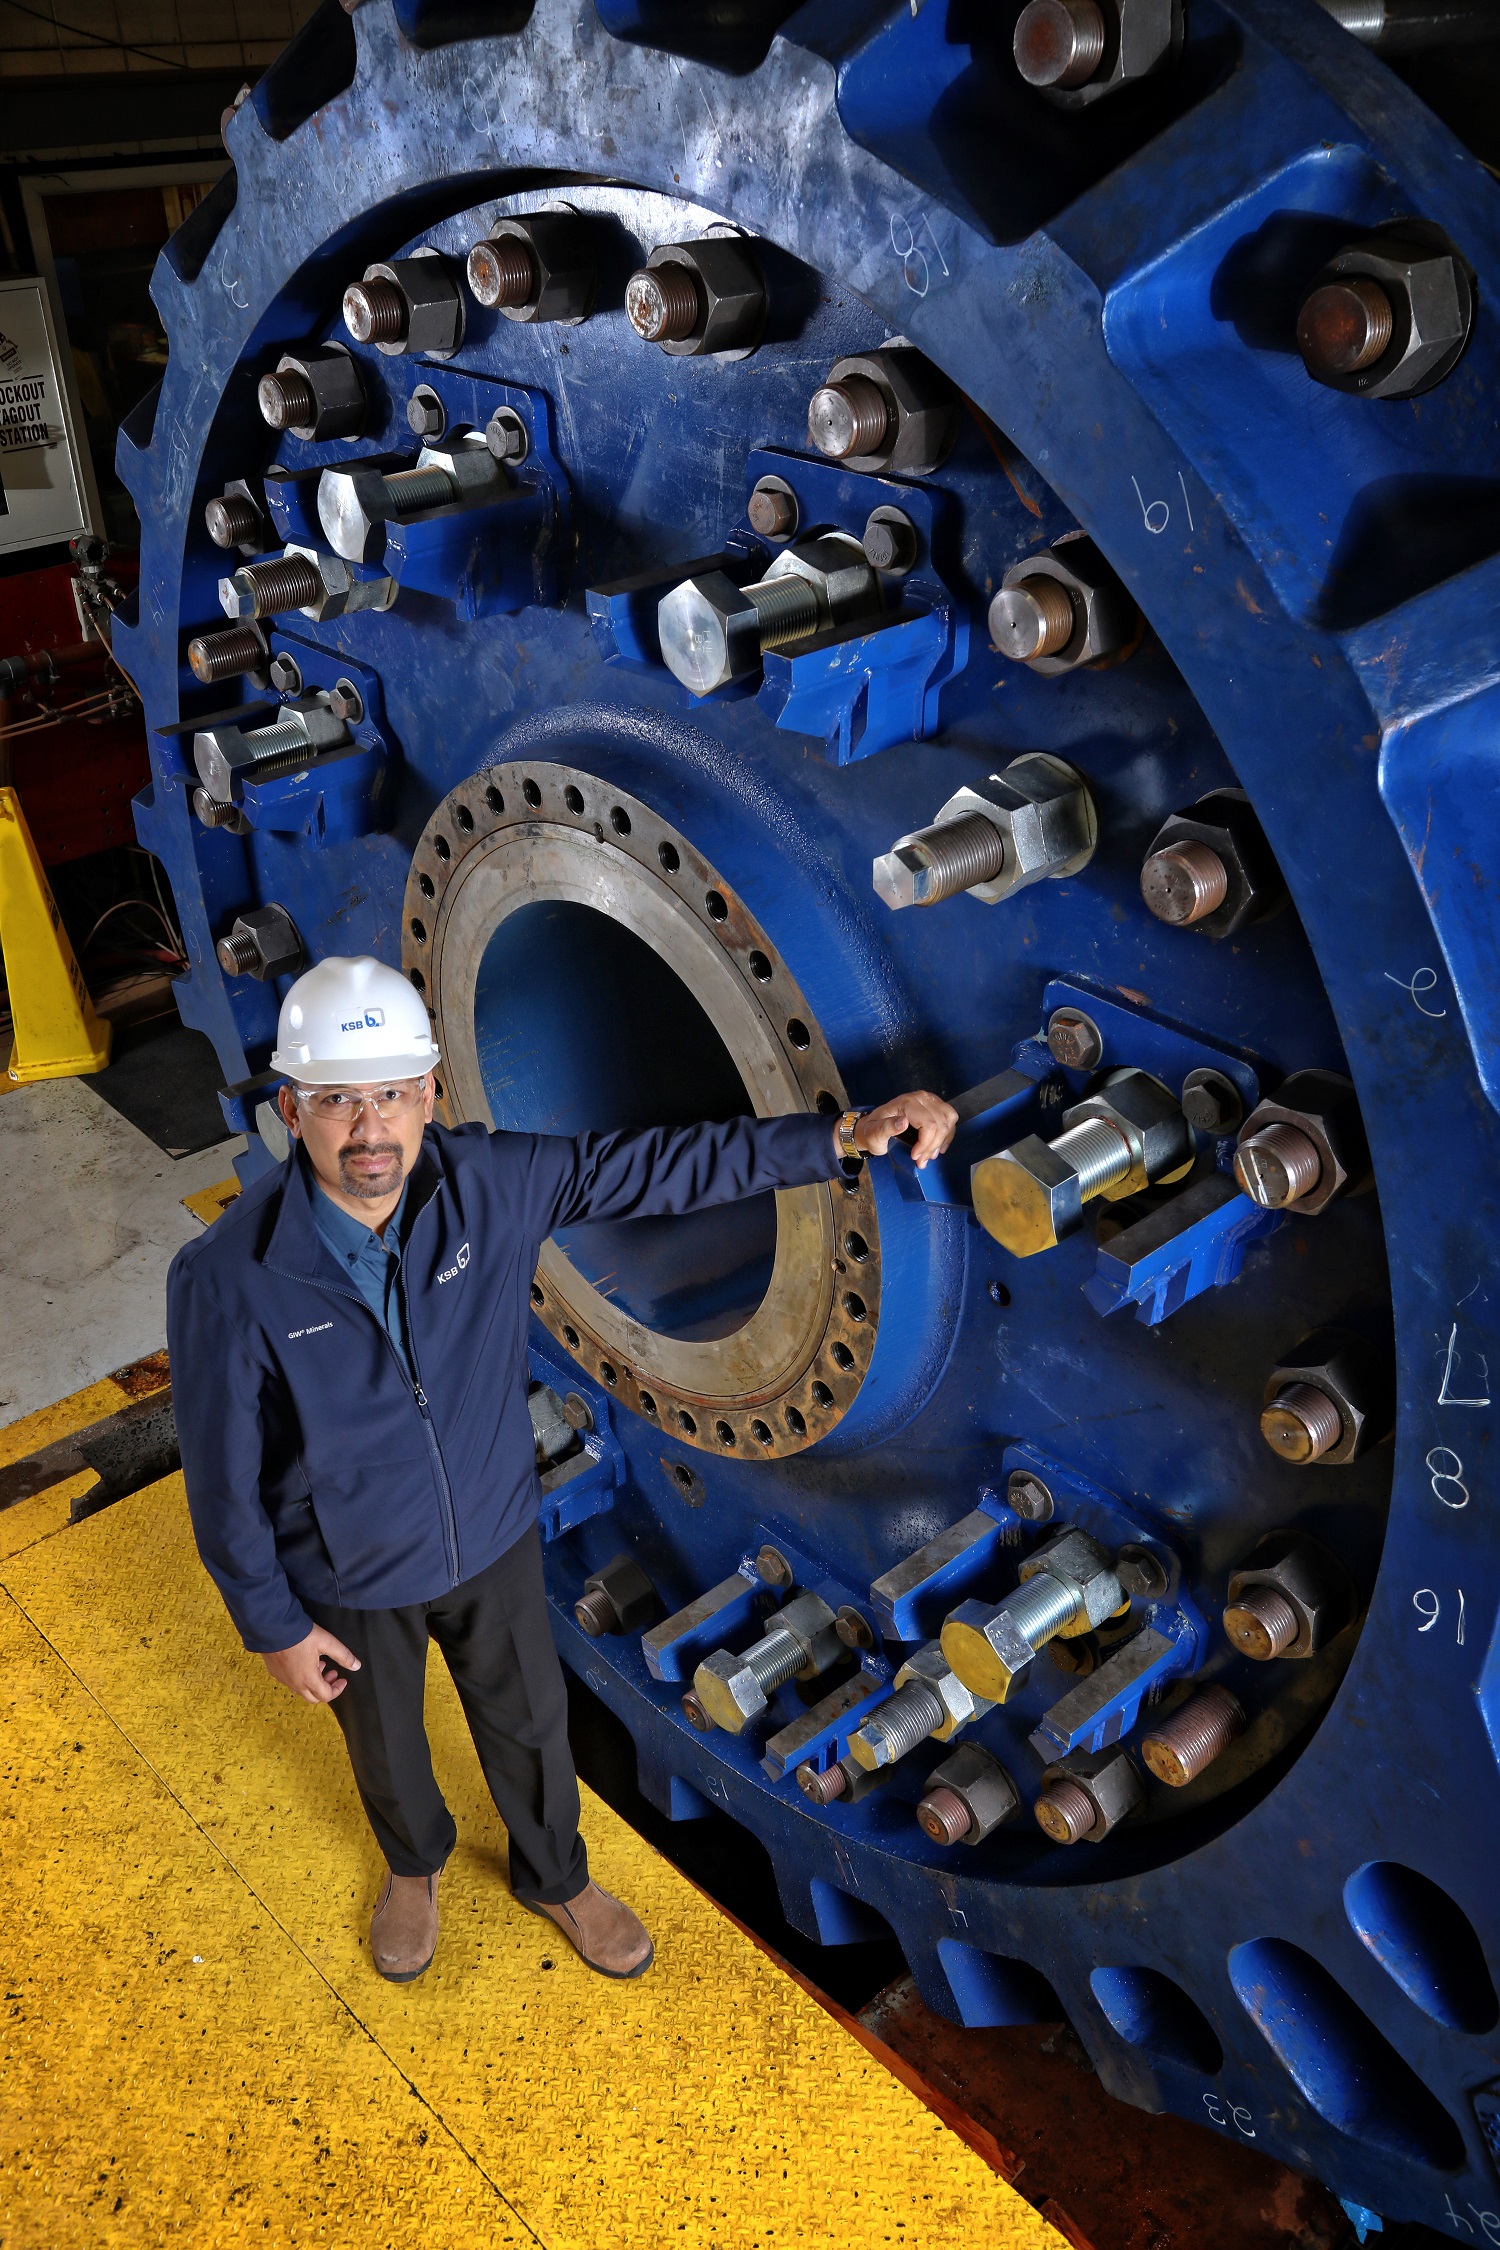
(606, 1933)
(404, 1926)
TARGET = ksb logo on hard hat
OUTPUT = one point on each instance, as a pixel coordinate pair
(372, 1020)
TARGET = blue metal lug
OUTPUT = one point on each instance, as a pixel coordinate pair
(820, 1735)
(1197, 1241)
(1103, 1708)
(911, 1599)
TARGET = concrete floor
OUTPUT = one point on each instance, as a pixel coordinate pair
(93, 1215)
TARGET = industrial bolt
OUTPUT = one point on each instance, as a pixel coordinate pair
(1211, 1102)
(928, 1701)
(286, 674)
(994, 837)
(1142, 1574)
(263, 943)
(233, 520)
(848, 417)
(1178, 1748)
(854, 1630)
(219, 812)
(1059, 42)
(266, 589)
(772, 509)
(713, 632)
(620, 1598)
(772, 1567)
(506, 435)
(890, 541)
(1127, 1136)
(315, 395)
(1062, 608)
(1328, 1400)
(1303, 1146)
(1064, 1813)
(1067, 1586)
(968, 1796)
(346, 702)
(885, 410)
(375, 312)
(1185, 884)
(1028, 1496)
(825, 1787)
(538, 268)
(579, 1413)
(1397, 27)
(1390, 315)
(1074, 1040)
(426, 415)
(799, 1639)
(409, 305)
(224, 751)
(356, 504)
(1210, 868)
(1289, 1598)
(502, 273)
(220, 656)
(692, 298)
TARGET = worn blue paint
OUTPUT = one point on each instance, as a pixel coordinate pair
(1319, 574)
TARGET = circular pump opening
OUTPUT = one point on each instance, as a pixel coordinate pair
(580, 1025)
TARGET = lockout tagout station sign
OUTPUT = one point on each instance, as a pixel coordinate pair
(45, 496)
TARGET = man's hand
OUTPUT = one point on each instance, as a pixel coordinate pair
(308, 1669)
(933, 1121)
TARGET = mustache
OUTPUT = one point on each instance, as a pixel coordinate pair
(369, 1148)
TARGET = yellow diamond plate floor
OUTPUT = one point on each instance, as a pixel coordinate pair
(198, 2052)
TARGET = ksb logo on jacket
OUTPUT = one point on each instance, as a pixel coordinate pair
(457, 1266)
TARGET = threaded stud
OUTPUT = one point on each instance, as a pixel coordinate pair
(1262, 1623)
(952, 857)
(1065, 1812)
(1179, 1748)
(503, 272)
(1059, 42)
(596, 1613)
(1097, 1153)
(1032, 619)
(1184, 883)
(848, 418)
(822, 1788)
(237, 955)
(411, 492)
(944, 1816)
(1301, 1423)
(218, 656)
(1344, 326)
(288, 583)
(375, 312)
(907, 1718)
(694, 1713)
(287, 401)
(788, 612)
(1277, 1166)
(663, 303)
(216, 812)
(233, 521)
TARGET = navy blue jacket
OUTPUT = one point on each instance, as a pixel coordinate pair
(315, 1470)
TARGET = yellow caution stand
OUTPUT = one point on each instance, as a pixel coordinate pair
(57, 1034)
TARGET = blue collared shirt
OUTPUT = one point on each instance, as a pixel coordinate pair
(372, 1262)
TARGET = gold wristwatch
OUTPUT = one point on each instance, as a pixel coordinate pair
(844, 1135)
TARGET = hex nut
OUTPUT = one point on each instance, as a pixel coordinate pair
(1351, 1372)
(930, 1665)
(626, 1592)
(1307, 1577)
(731, 295)
(1140, 36)
(221, 752)
(772, 509)
(1225, 821)
(237, 509)
(565, 272)
(353, 508)
(1045, 813)
(811, 1623)
(286, 674)
(434, 323)
(346, 702)
(987, 1650)
(1029, 1497)
(1105, 616)
(1320, 1104)
(983, 1786)
(332, 376)
(773, 1568)
(264, 942)
(728, 1691)
(1079, 1563)
(1151, 1124)
(1430, 291)
(1110, 1781)
(921, 410)
(891, 541)
(507, 436)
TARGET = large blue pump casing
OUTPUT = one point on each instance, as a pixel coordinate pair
(1298, 1958)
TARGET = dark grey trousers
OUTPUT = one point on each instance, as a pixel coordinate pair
(495, 1640)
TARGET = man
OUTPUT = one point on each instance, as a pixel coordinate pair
(348, 1348)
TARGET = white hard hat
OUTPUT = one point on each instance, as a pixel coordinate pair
(351, 1022)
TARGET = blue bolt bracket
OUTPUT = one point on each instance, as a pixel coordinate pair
(990, 1116)
(1103, 1708)
(1078, 1501)
(622, 614)
(1196, 1241)
(336, 797)
(1142, 1039)
(912, 1597)
(587, 1482)
(292, 499)
(487, 560)
(820, 1735)
(872, 689)
(672, 1648)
